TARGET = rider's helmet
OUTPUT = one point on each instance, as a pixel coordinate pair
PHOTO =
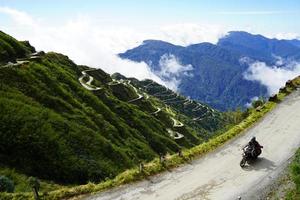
(253, 139)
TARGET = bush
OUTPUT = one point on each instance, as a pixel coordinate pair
(6, 185)
(257, 103)
(274, 98)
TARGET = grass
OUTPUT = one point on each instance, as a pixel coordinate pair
(294, 175)
(21, 183)
(154, 167)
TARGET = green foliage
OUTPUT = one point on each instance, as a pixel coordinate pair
(6, 185)
(54, 129)
(295, 176)
(257, 103)
(10, 48)
(155, 166)
(21, 181)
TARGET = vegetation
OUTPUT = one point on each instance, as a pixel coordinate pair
(155, 166)
(54, 129)
(21, 183)
(295, 177)
(6, 185)
(11, 49)
(200, 116)
(295, 165)
(174, 160)
(257, 103)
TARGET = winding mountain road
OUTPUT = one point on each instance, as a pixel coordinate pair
(114, 82)
(136, 91)
(88, 85)
(218, 175)
(174, 134)
(177, 123)
(157, 111)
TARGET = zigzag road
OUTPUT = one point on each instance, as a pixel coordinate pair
(218, 174)
(88, 85)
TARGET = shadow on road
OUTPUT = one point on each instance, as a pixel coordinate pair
(260, 164)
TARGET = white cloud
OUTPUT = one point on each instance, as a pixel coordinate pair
(273, 77)
(83, 41)
(170, 65)
(19, 17)
(171, 70)
(287, 36)
(249, 104)
(88, 42)
(255, 12)
(189, 33)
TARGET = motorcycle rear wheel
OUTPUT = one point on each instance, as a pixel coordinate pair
(243, 163)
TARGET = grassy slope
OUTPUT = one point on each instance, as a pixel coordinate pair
(54, 129)
(155, 166)
(208, 120)
(10, 49)
(51, 122)
(294, 174)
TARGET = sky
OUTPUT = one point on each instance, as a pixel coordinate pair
(265, 16)
(92, 32)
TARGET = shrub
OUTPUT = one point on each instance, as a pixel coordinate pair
(257, 103)
(6, 185)
(274, 98)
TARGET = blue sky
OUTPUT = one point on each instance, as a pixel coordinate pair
(261, 15)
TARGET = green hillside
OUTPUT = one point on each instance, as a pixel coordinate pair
(196, 114)
(10, 48)
(73, 124)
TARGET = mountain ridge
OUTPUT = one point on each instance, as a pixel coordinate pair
(217, 77)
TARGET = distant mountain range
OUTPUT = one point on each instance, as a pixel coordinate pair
(216, 75)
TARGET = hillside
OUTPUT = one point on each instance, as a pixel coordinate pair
(216, 76)
(72, 124)
(196, 114)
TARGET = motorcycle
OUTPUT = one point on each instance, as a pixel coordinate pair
(249, 156)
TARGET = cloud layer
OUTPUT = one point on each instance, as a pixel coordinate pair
(273, 77)
(171, 70)
(87, 42)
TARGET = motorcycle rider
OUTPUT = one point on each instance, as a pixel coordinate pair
(254, 147)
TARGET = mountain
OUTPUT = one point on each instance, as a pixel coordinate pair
(196, 114)
(259, 47)
(294, 42)
(73, 124)
(217, 75)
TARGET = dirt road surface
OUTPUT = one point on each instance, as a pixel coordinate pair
(218, 174)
